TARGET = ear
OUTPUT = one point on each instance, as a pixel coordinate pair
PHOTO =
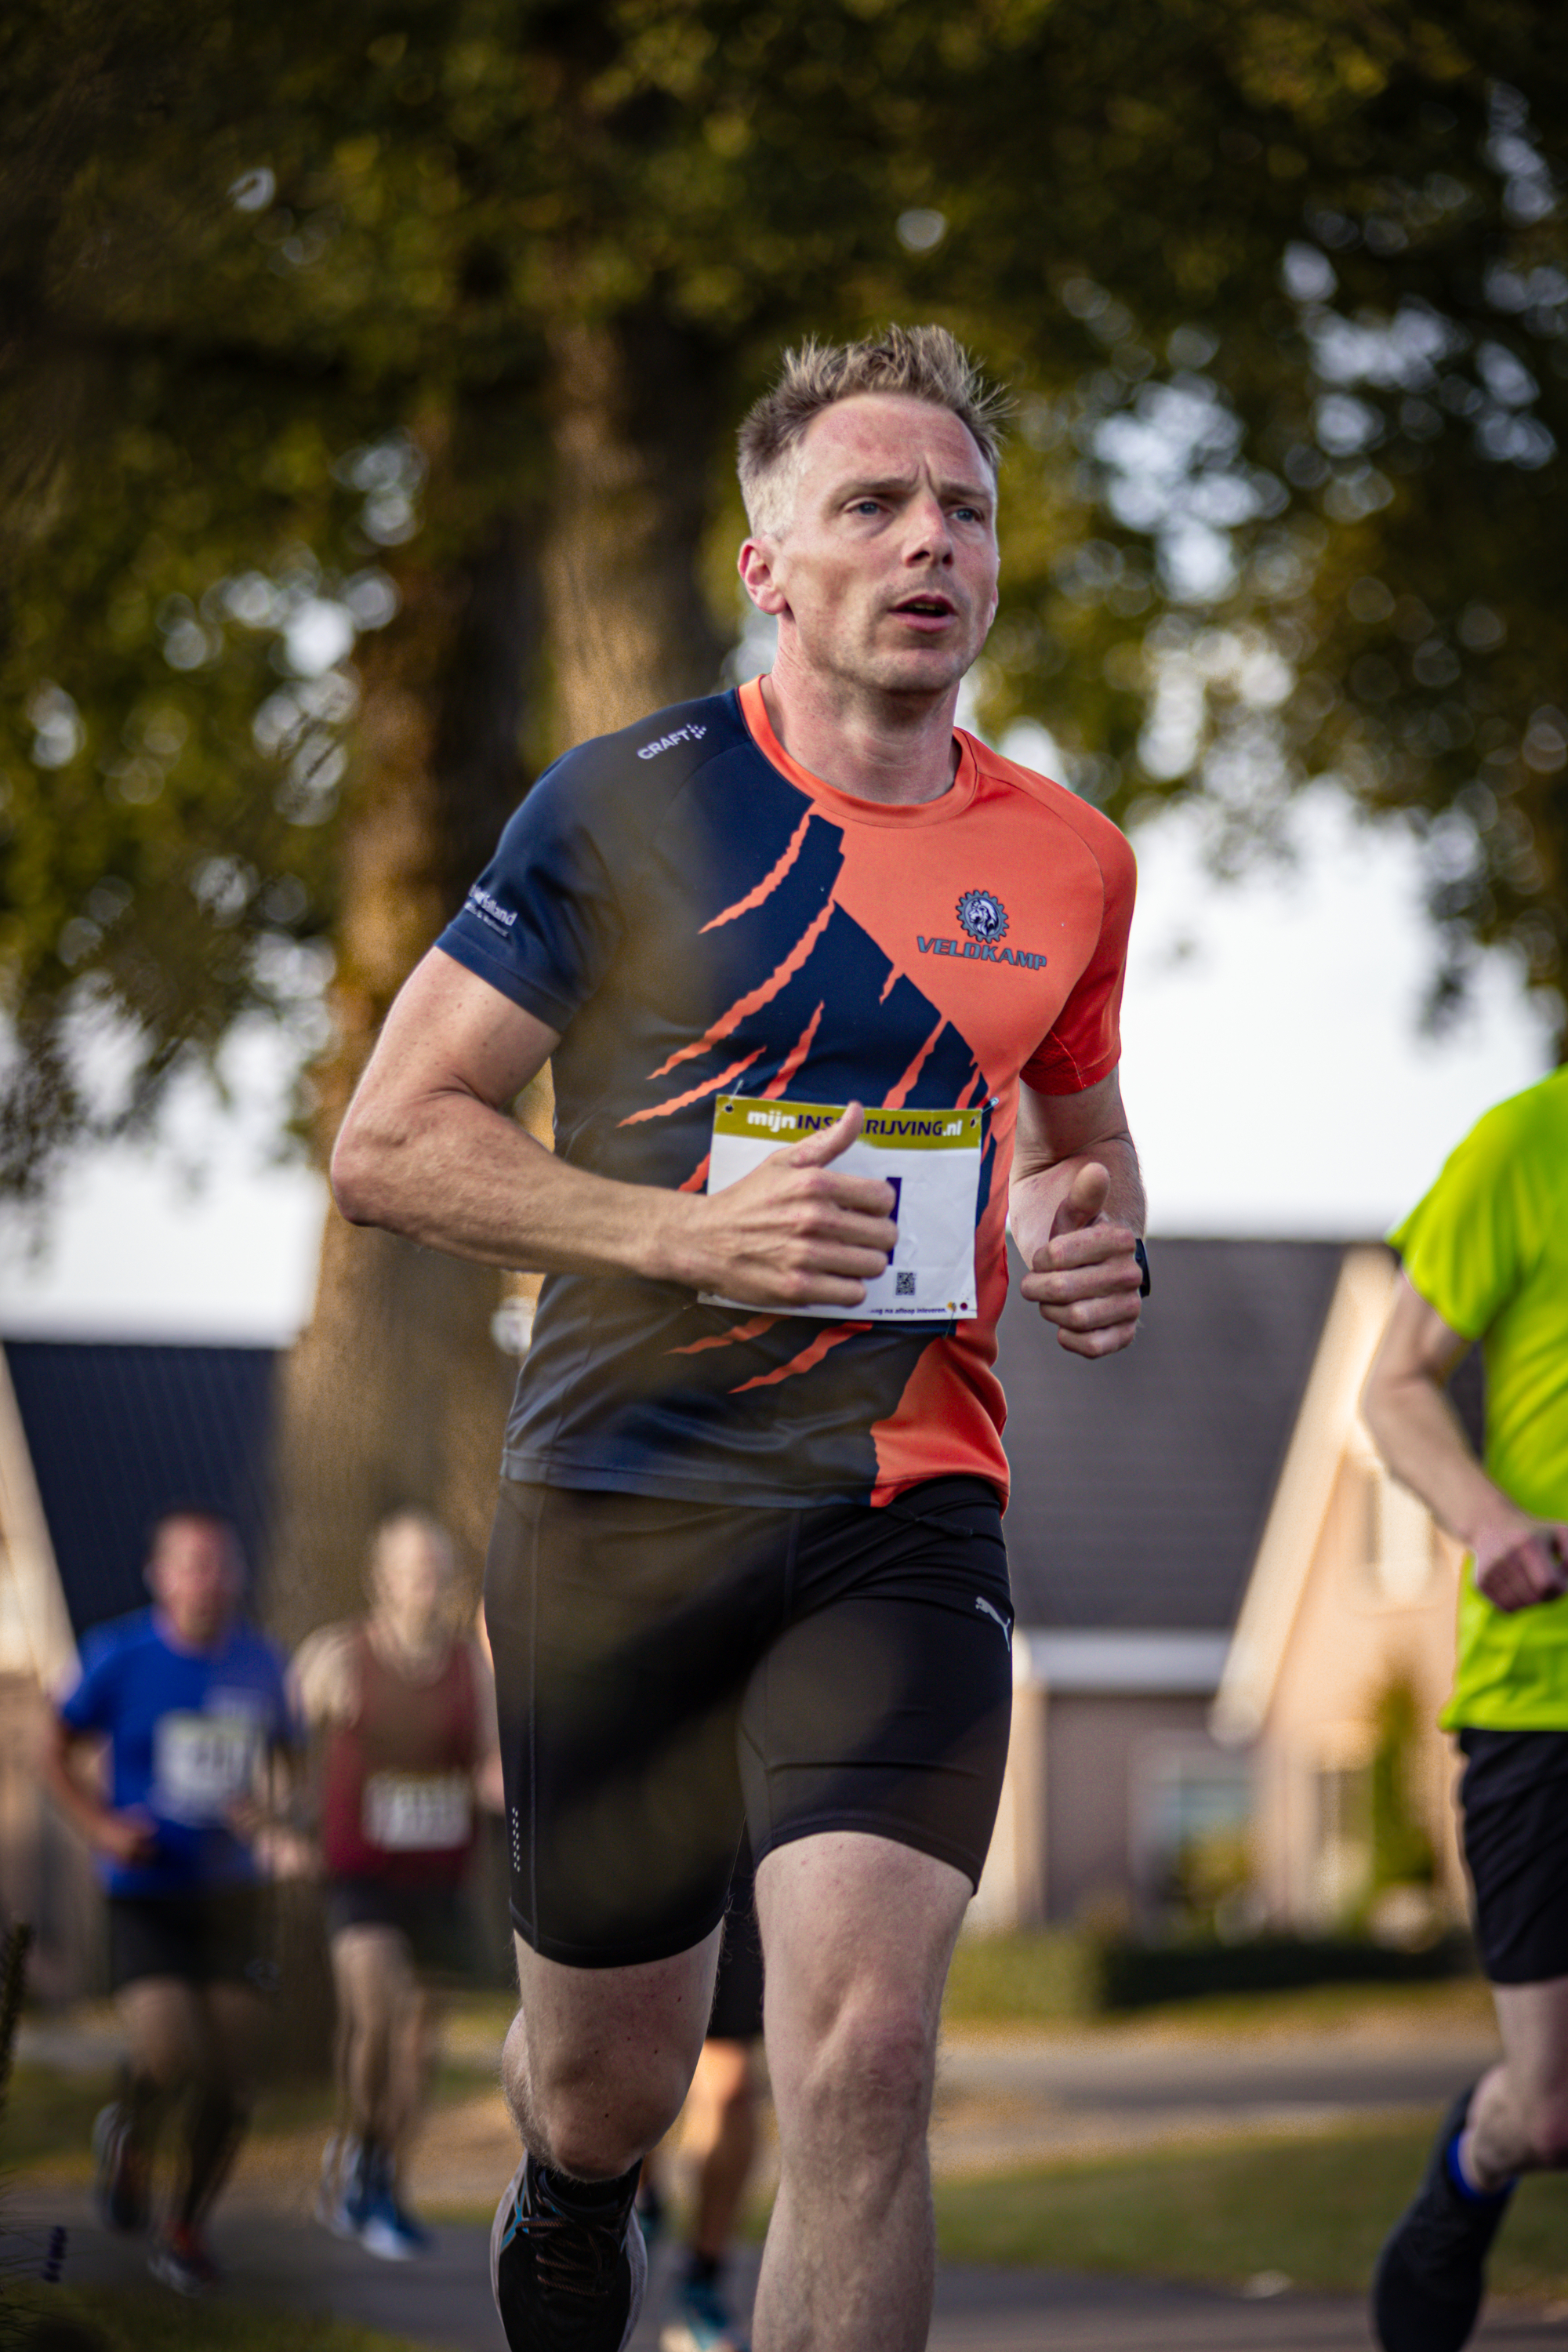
(755, 566)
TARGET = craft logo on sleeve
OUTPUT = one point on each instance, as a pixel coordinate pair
(984, 916)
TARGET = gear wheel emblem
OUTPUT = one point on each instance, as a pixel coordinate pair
(982, 916)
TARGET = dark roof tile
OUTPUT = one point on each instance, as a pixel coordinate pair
(119, 1432)
(1140, 1484)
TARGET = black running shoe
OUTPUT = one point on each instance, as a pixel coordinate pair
(563, 2285)
(1431, 2274)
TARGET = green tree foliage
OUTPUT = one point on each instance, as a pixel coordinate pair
(312, 313)
(1303, 358)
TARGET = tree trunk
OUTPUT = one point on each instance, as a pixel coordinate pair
(636, 414)
(397, 1392)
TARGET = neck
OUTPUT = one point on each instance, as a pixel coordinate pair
(413, 1641)
(180, 1637)
(877, 746)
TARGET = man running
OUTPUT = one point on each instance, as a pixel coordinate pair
(1486, 1262)
(402, 1704)
(817, 975)
(192, 1704)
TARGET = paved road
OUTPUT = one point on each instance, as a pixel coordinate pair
(1013, 2099)
(1322, 2069)
(445, 2301)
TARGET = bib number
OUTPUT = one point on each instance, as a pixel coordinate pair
(932, 1160)
(418, 1812)
(201, 1763)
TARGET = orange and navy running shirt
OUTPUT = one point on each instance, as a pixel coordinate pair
(696, 914)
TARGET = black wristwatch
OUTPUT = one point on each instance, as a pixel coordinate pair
(1142, 1255)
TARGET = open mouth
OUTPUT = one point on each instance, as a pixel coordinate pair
(926, 608)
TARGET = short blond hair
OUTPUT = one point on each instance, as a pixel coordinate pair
(919, 363)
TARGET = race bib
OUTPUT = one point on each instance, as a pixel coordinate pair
(201, 1763)
(932, 1160)
(418, 1812)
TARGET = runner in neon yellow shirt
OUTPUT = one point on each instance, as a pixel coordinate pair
(1486, 1260)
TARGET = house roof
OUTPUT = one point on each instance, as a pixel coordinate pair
(1141, 1484)
(1327, 1428)
(119, 1432)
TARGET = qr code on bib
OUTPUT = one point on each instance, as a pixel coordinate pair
(905, 1286)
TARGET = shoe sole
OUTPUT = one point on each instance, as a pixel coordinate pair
(637, 2253)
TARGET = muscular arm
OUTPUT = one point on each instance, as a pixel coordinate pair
(429, 1151)
(1519, 1560)
(1075, 1209)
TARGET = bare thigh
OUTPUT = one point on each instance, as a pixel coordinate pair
(858, 1932)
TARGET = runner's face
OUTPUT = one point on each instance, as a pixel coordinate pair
(195, 1578)
(412, 1579)
(886, 572)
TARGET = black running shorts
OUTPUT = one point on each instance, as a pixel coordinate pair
(1514, 1796)
(222, 1936)
(667, 1671)
(434, 1922)
(737, 2011)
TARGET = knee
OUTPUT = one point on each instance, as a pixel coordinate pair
(592, 2129)
(873, 2067)
(168, 2055)
(588, 2115)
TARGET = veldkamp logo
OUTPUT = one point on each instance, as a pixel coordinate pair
(984, 918)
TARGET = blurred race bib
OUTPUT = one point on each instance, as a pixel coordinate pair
(201, 1763)
(932, 1160)
(418, 1812)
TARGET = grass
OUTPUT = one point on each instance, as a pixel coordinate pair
(1047, 1979)
(1316, 2210)
(114, 2319)
(49, 2112)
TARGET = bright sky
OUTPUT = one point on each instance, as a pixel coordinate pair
(1274, 1072)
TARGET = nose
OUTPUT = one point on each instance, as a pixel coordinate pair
(926, 535)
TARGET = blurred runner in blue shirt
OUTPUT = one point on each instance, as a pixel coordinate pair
(187, 1705)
